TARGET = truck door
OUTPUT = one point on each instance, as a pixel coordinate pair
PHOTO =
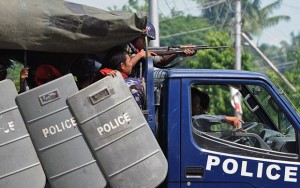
(263, 152)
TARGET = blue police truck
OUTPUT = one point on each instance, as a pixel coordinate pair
(264, 152)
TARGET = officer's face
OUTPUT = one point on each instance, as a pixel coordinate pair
(126, 66)
(196, 105)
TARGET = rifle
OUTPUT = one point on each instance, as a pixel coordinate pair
(179, 50)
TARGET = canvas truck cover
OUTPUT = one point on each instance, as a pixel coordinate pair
(118, 134)
(20, 166)
(61, 26)
(61, 148)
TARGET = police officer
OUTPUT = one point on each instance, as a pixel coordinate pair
(202, 120)
(137, 51)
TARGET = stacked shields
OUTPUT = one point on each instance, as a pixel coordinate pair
(62, 150)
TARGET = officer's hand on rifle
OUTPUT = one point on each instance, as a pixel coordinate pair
(143, 54)
(152, 53)
(165, 60)
(189, 52)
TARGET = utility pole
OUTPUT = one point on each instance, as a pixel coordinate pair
(238, 29)
(238, 56)
(154, 19)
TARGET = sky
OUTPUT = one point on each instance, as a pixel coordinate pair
(271, 36)
(283, 30)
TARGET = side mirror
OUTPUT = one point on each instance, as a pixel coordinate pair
(256, 90)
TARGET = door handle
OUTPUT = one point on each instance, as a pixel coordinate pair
(194, 172)
(248, 105)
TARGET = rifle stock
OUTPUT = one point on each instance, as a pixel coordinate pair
(179, 50)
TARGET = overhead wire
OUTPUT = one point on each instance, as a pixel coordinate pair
(186, 7)
(168, 5)
(290, 6)
(161, 12)
(175, 7)
(186, 32)
(210, 5)
(280, 35)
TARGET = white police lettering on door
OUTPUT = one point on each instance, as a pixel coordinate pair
(62, 126)
(271, 171)
(115, 123)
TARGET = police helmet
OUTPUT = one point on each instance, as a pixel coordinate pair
(150, 31)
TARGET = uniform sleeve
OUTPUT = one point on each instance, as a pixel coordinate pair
(156, 59)
(203, 122)
(211, 118)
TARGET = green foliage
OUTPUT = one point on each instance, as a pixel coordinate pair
(293, 76)
(206, 59)
(287, 56)
(14, 74)
(255, 17)
(218, 59)
(206, 30)
(183, 30)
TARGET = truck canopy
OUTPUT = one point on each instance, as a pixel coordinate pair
(65, 27)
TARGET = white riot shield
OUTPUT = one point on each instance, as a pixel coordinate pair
(118, 134)
(19, 164)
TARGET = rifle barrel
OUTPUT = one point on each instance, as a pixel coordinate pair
(179, 50)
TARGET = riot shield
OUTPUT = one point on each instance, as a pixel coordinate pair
(61, 148)
(118, 134)
(20, 166)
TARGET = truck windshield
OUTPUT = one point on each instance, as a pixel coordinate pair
(265, 127)
(272, 109)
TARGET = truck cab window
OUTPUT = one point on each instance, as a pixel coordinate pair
(261, 127)
(274, 112)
